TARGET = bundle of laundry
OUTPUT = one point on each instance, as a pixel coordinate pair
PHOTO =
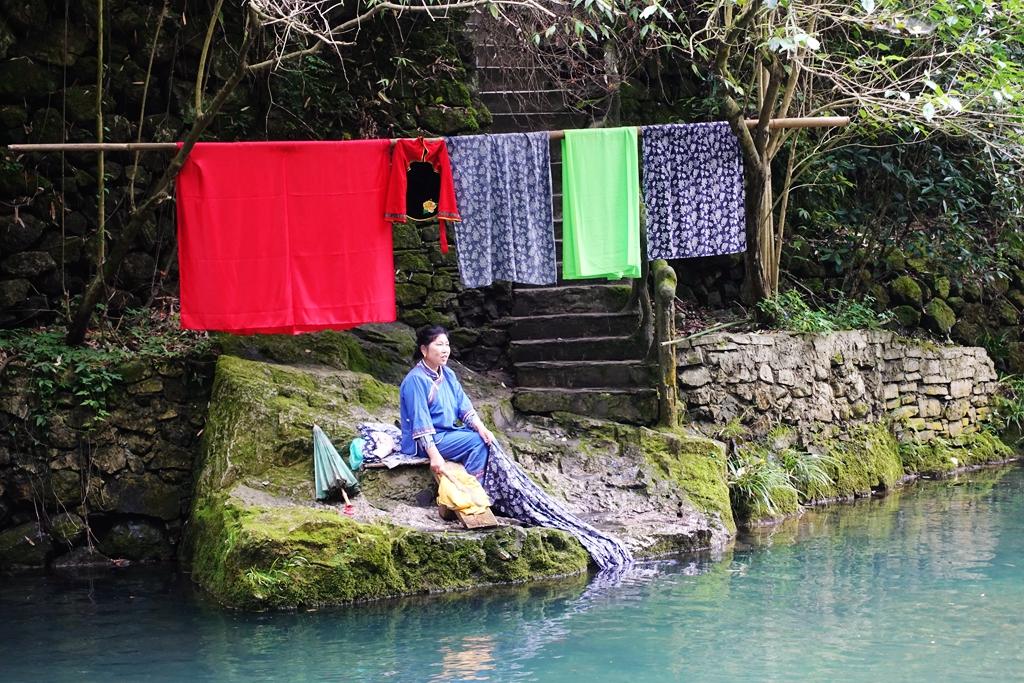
(380, 446)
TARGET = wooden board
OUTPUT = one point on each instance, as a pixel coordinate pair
(482, 520)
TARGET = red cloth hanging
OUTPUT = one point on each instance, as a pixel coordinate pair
(435, 152)
(284, 237)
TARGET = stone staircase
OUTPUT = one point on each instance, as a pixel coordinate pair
(574, 345)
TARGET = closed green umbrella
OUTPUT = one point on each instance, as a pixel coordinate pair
(330, 471)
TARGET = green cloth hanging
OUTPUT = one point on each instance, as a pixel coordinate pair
(330, 472)
(600, 204)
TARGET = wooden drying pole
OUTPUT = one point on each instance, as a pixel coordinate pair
(774, 124)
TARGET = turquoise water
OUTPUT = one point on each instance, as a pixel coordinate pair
(922, 585)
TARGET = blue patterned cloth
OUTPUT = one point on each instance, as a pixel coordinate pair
(693, 189)
(513, 494)
(503, 189)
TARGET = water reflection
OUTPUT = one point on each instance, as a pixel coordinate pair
(913, 586)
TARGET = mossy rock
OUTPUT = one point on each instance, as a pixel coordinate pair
(967, 333)
(381, 350)
(971, 290)
(880, 294)
(918, 265)
(695, 465)
(941, 456)
(939, 317)
(1006, 312)
(291, 557)
(25, 546)
(895, 260)
(907, 316)
(997, 284)
(906, 290)
(1015, 357)
(941, 286)
(865, 459)
(255, 539)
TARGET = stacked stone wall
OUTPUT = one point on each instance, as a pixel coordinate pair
(429, 291)
(821, 383)
(124, 485)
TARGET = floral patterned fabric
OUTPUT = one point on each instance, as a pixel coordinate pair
(503, 188)
(513, 494)
(693, 189)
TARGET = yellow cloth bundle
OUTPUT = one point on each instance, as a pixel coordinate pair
(460, 490)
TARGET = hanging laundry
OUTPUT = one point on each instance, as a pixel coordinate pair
(420, 186)
(284, 237)
(600, 204)
(503, 185)
(693, 190)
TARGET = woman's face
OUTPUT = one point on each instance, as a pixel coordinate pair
(436, 352)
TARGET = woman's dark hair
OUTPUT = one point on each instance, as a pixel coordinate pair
(424, 337)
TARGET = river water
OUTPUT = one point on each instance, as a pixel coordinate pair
(922, 585)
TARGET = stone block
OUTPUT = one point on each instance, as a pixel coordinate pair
(929, 407)
(905, 412)
(956, 410)
(786, 378)
(890, 391)
(960, 388)
(153, 385)
(935, 379)
(690, 357)
(696, 376)
(764, 373)
(936, 390)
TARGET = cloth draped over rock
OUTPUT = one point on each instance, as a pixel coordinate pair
(503, 187)
(600, 204)
(513, 494)
(284, 237)
(693, 190)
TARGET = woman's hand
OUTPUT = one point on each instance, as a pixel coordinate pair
(437, 464)
(485, 433)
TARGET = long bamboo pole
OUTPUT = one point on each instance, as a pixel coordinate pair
(812, 122)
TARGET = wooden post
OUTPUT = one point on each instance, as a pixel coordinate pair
(664, 325)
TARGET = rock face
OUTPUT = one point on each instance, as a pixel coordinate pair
(826, 384)
(256, 539)
(129, 477)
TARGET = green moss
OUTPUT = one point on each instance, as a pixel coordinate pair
(253, 543)
(695, 465)
(941, 456)
(865, 459)
(335, 349)
(939, 316)
(297, 557)
(906, 290)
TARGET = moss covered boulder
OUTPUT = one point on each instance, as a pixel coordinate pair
(939, 317)
(257, 540)
(906, 290)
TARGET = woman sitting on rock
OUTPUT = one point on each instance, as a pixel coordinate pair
(431, 399)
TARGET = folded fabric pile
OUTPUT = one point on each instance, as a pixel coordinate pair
(381, 446)
(513, 494)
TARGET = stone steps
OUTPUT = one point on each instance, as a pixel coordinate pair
(573, 345)
(582, 348)
(571, 298)
(634, 405)
(573, 325)
(585, 374)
